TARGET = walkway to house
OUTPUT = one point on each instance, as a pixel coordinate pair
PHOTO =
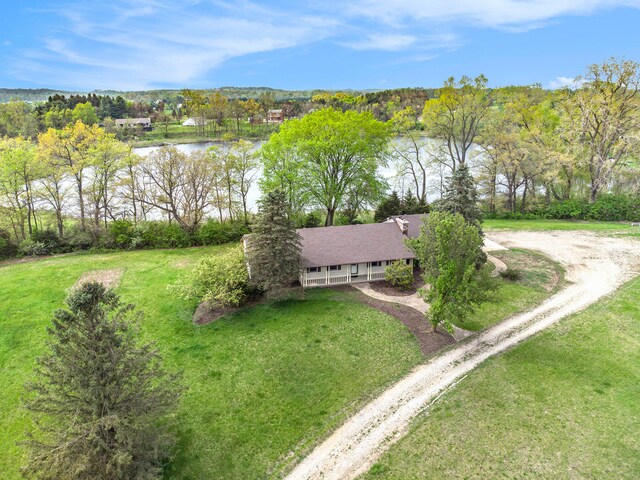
(414, 301)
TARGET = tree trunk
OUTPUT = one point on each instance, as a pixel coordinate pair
(330, 214)
(81, 200)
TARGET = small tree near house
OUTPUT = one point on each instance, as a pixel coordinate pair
(447, 250)
(220, 279)
(99, 398)
(273, 249)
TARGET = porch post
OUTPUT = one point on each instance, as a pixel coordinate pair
(368, 270)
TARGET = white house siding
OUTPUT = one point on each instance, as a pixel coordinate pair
(326, 276)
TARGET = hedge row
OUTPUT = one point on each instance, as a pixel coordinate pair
(613, 208)
(123, 234)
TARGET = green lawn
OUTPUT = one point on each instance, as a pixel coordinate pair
(541, 277)
(564, 404)
(559, 225)
(176, 133)
(262, 383)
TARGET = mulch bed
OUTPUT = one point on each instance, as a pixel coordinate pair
(430, 342)
(386, 288)
(109, 278)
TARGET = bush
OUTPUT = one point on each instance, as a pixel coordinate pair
(161, 235)
(32, 249)
(217, 233)
(222, 279)
(8, 249)
(77, 239)
(568, 210)
(121, 233)
(511, 274)
(609, 208)
(49, 241)
(400, 275)
(312, 220)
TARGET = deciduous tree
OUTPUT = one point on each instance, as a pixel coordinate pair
(319, 157)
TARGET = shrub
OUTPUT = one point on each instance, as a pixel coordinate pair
(121, 233)
(222, 279)
(32, 249)
(399, 274)
(216, 233)
(609, 208)
(49, 242)
(8, 249)
(312, 220)
(77, 239)
(511, 274)
(568, 210)
(162, 235)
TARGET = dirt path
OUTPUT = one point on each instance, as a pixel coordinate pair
(596, 266)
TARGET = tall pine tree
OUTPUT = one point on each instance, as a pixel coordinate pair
(461, 197)
(273, 249)
(99, 396)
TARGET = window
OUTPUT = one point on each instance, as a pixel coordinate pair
(354, 269)
(375, 264)
(335, 267)
(387, 263)
(408, 261)
(313, 269)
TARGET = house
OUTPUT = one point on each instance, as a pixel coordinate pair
(275, 116)
(145, 123)
(194, 122)
(355, 253)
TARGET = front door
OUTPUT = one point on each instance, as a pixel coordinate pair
(354, 270)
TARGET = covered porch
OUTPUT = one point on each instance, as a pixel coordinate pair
(345, 273)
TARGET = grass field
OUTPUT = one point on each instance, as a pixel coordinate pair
(608, 227)
(176, 133)
(561, 405)
(262, 383)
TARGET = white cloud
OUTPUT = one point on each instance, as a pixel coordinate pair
(157, 43)
(562, 82)
(486, 13)
(390, 43)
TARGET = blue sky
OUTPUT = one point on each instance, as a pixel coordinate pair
(145, 44)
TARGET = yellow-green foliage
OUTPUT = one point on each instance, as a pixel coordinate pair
(399, 274)
(222, 279)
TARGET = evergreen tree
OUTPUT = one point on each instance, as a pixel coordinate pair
(412, 205)
(99, 395)
(461, 197)
(274, 246)
(388, 207)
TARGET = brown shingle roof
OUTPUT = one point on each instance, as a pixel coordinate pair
(352, 244)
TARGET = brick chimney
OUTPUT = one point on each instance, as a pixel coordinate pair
(402, 224)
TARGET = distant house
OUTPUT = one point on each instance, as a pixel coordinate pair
(275, 116)
(194, 122)
(145, 123)
(355, 253)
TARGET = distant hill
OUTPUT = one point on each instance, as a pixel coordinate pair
(41, 94)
